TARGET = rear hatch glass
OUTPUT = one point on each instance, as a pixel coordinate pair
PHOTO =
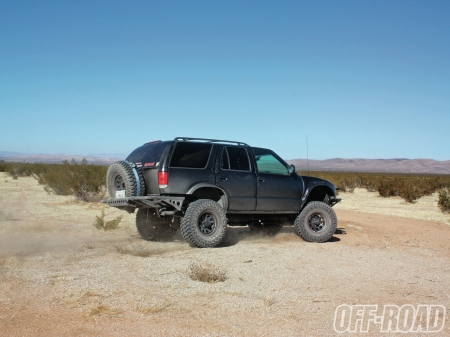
(148, 155)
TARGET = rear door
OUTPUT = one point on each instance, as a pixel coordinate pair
(236, 177)
(277, 190)
(190, 164)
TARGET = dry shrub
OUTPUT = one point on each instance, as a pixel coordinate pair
(209, 274)
(100, 222)
(387, 187)
(411, 193)
(410, 187)
(104, 310)
(86, 182)
(444, 200)
(153, 310)
(5, 167)
(269, 301)
(5, 216)
(24, 169)
(138, 251)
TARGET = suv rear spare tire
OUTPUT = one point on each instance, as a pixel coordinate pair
(121, 176)
(317, 222)
(204, 223)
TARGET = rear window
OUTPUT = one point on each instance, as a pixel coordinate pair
(191, 155)
(148, 155)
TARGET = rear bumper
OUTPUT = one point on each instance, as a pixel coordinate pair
(149, 201)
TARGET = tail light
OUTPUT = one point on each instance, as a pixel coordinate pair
(163, 179)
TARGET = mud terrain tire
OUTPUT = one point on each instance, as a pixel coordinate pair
(317, 222)
(154, 228)
(120, 177)
(204, 223)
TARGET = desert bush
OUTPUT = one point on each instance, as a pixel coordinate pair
(104, 310)
(5, 167)
(101, 223)
(153, 310)
(136, 250)
(24, 169)
(388, 187)
(444, 199)
(410, 187)
(206, 274)
(411, 193)
(85, 182)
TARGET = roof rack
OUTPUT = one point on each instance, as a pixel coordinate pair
(209, 140)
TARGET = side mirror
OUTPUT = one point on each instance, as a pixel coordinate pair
(291, 169)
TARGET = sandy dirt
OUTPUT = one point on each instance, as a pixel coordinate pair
(60, 276)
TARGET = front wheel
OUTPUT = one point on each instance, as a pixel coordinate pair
(317, 222)
(204, 223)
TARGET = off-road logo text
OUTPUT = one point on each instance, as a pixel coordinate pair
(389, 318)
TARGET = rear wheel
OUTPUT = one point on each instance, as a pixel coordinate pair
(154, 228)
(204, 223)
(317, 222)
(121, 179)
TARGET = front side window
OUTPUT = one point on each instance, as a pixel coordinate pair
(267, 162)
(191, 155)
(235, 158)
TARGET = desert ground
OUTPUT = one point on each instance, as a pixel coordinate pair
(60, 276)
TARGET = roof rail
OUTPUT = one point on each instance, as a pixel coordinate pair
(209, 140)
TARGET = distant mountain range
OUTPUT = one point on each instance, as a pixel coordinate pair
(98, 159)
(397, 165)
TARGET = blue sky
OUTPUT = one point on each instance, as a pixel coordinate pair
(360, 79)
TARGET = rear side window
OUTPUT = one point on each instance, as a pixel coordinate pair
(149, 155)
(235, 158)
(191, 155)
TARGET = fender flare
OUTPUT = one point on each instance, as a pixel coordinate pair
(312, 187)
(224, 199)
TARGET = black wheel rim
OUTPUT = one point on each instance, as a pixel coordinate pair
(317, 222)
(119, 184)
(207, 223)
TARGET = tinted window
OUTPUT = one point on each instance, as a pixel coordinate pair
(238, 159)
(191, 155)
(149, 153)
(267, 162)
(225, 164)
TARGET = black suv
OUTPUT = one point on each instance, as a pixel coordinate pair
(203, 185)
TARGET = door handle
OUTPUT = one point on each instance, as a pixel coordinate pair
(261, 180)
(223, 178)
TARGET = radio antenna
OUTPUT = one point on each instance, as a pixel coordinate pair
(307, 154)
